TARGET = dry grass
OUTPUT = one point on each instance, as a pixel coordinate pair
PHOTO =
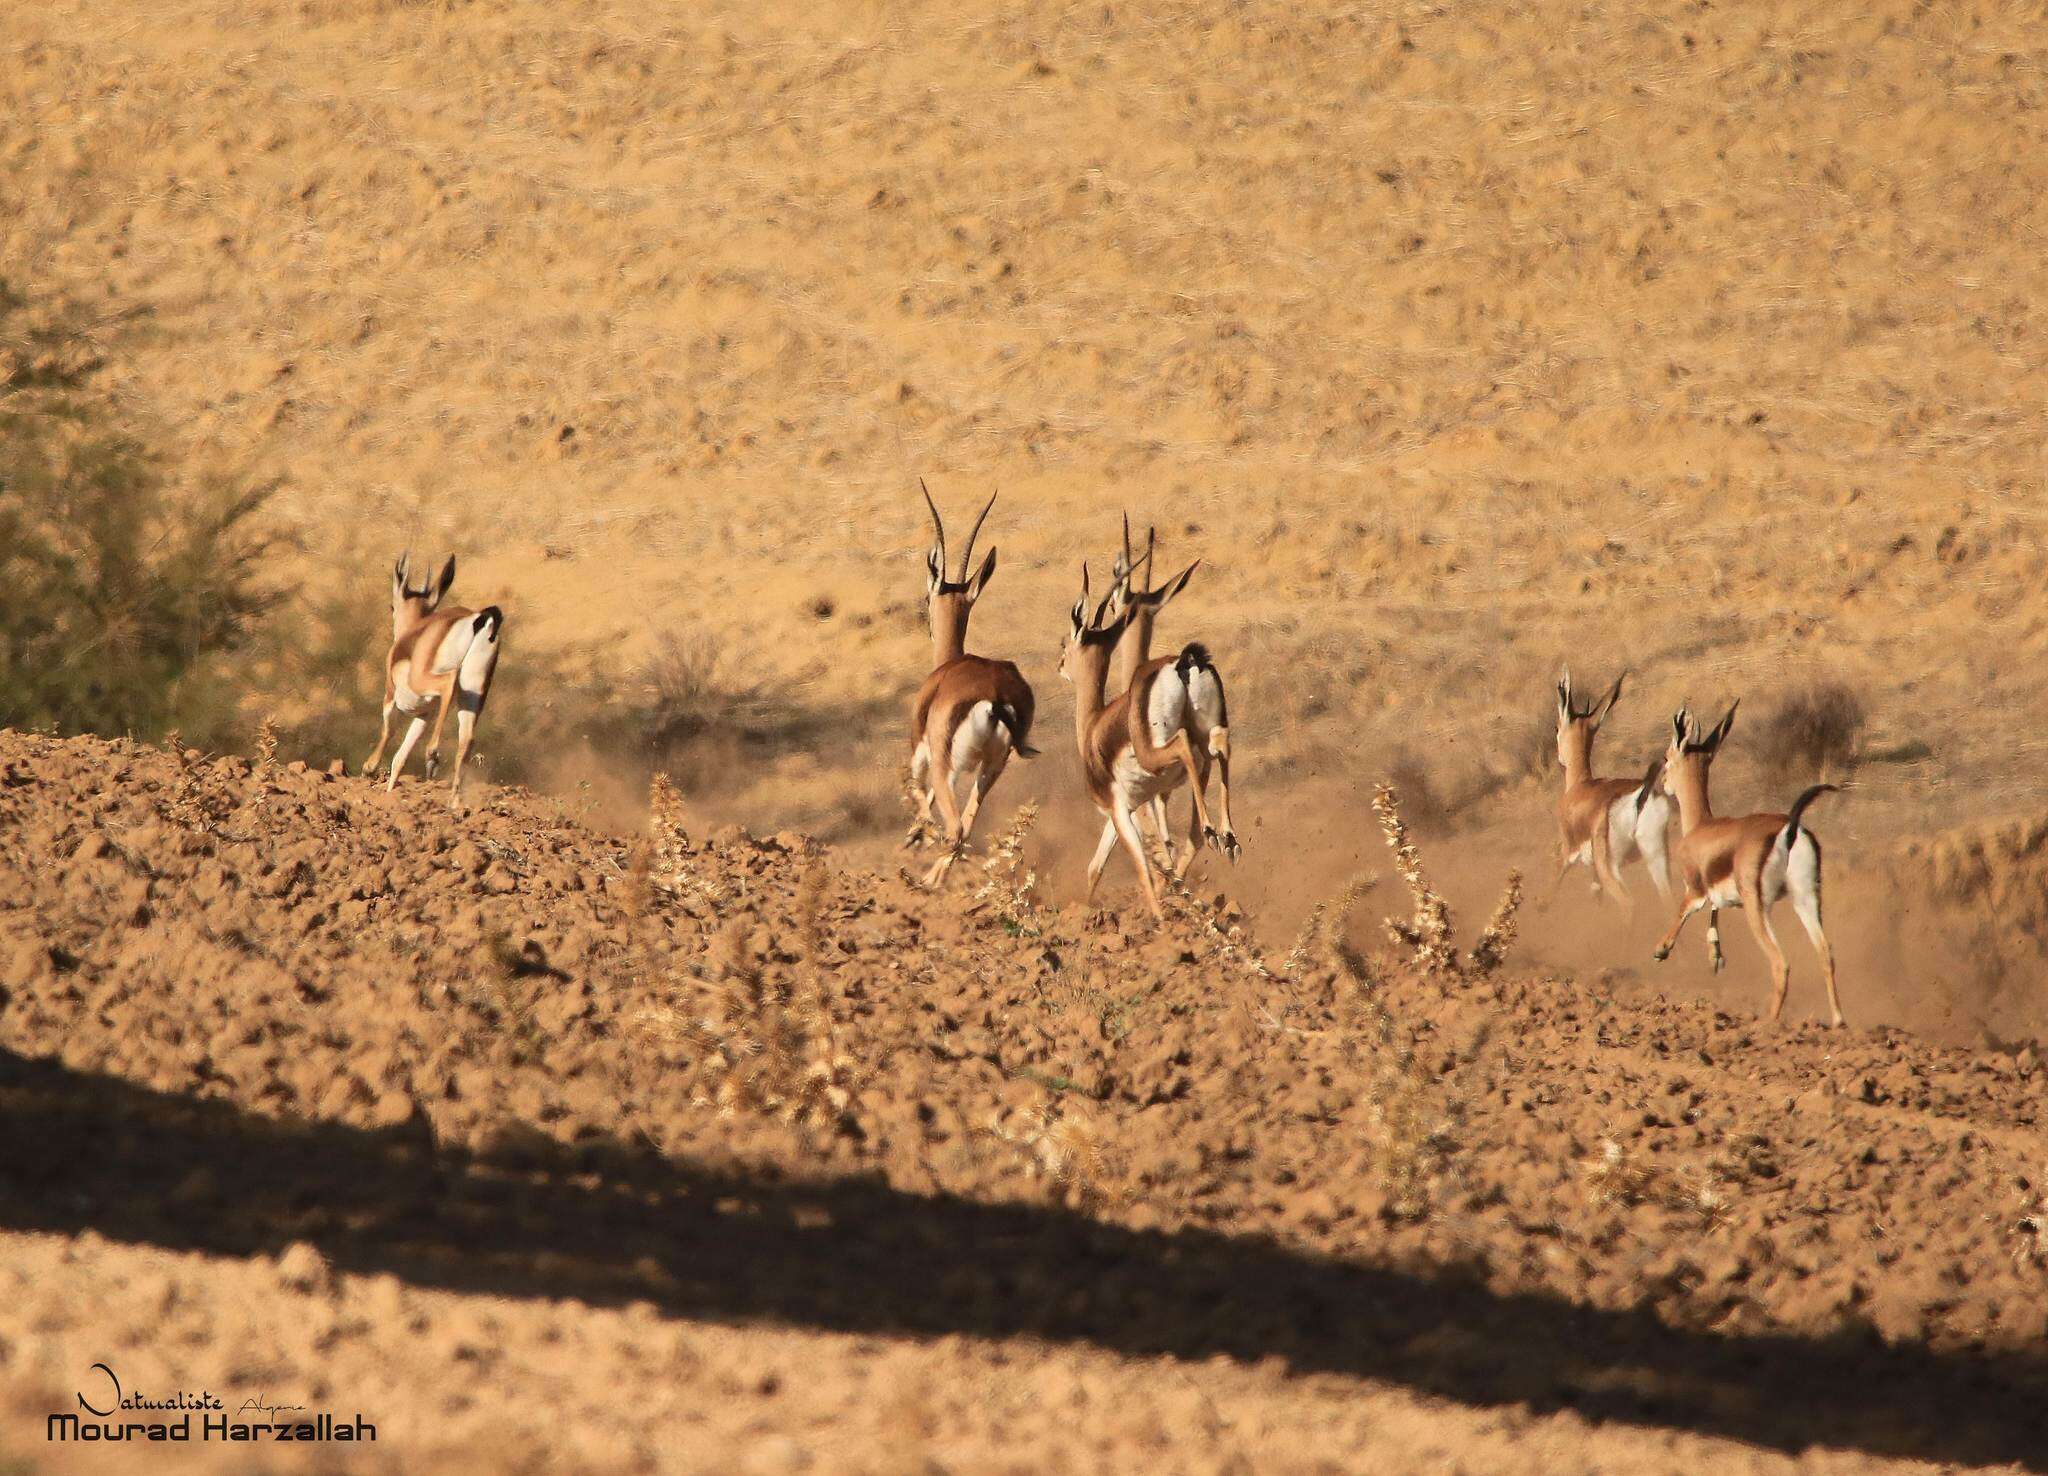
(1811, 733)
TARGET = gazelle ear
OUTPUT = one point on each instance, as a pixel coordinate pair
(1678, 720)
(398, 575)
(447, 578)
(981, 577)
(934, 570)
(1178, 583)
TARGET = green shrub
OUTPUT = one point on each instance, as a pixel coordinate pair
(122, 600)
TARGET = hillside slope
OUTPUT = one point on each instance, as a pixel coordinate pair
(1456, 340)
(536, 1146)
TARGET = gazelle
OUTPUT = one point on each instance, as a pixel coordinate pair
(971, 713)
(1134, 649)
(1140, 745)
(1750, 860)
(1605, 823)
(446, 656)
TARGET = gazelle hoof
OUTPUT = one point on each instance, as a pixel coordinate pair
(1719, 963)
(1661, 954)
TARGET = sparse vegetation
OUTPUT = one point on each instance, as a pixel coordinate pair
(1428, 933)
(125, 594)
(1811, 732)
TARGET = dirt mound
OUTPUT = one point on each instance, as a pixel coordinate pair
(468, 1098)
(1969, 915)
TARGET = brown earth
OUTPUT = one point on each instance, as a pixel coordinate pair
(540, 1149)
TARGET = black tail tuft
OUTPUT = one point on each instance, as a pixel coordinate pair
(1194, 656)
(1649, 781)
(1790, 835)
(489, 621)
(1019, 731)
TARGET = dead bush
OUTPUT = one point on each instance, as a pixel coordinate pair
(1812, 731)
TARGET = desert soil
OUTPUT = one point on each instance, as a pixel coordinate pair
(543, 1150)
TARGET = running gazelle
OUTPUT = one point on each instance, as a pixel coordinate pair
(1140, 744)
(1747, 860)
(437, 655)
(1605, 823)
(1133, 649)
(972, 713)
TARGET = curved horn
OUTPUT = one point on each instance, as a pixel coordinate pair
(968, 557)
(938, 525)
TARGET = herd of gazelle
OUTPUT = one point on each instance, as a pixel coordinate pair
(1746, 861)
(1144, 725)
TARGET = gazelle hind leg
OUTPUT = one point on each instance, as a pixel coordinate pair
(1656, 860)
(1767, 938)
(984, 781)
(440, 722)
(1103, 847)
(921, 782)
(1806, 902)
(412, 736)
(1219, 750)
(949, 807)
(466, 694)
(383, 734)
(1127, 831)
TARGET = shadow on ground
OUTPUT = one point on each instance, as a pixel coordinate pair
(607, 1223)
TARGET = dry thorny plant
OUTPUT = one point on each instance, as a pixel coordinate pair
(757, 1027)
(1066, 1148)
(1007, 893)
(1616, 1176)
(1428, 933)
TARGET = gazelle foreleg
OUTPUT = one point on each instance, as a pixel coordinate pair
(921, 782)
(1162, 827)
(1686, 909)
